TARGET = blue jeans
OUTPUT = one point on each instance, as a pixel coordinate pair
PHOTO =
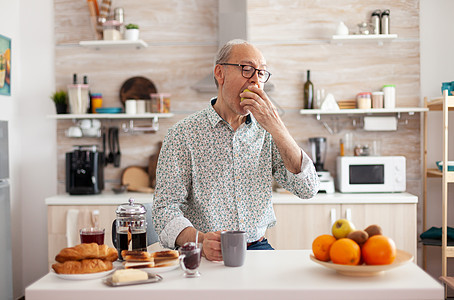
(262, 245)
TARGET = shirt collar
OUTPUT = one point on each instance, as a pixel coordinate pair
(215, 118)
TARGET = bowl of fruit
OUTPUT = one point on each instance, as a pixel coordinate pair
(354, 252)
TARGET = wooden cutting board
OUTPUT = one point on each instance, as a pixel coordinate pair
(152, 165)
(137, 179)
(137, 88)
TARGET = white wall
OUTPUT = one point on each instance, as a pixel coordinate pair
(32, 137)
(437, 66)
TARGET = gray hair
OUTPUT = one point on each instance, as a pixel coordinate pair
(223, 54)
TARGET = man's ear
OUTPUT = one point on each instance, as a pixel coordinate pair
(219, 74)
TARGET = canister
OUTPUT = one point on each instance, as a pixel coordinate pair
(375, 21)
(364, 100)
(131, 106)
(385, 22)
(78, 97)
(389, 96)
(160, 102)
(141, 106)
(377, 100)
(96, 102)
(111, 30)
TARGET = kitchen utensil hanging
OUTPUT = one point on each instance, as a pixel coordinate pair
(114, 147)
(147, 128)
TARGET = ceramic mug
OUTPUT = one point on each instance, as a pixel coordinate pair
(233, 247)
(131, 106)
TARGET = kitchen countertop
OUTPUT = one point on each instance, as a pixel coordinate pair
(105, 198)
(280, 274)
(344, 198)
(109, 198)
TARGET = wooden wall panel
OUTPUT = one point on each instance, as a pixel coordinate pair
(293, 35)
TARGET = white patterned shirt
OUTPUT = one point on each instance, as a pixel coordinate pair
(214, 178)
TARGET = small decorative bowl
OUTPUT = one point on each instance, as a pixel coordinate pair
(450, 165)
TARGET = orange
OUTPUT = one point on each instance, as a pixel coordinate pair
(321, 246)
(379, 250)
(345, 252)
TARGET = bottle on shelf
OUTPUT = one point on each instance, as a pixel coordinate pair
(308, 92)
(89, 108)
(384, 29)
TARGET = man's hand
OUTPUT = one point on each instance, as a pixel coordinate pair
(257, 102)
(211, 248)
(211, 242)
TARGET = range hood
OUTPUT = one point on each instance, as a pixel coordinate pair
(232, 24)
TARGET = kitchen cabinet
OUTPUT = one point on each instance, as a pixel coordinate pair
(445, 104)
(298, 224)
(57, 216)
(57, 224)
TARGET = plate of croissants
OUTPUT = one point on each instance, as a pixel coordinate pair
(85, 261)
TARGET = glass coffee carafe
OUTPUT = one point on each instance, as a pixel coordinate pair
(130, 227)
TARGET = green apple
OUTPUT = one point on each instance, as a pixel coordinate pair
(246, 90)
(341, 228)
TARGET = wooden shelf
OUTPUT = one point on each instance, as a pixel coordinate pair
(110, 116)
(98, 44)
(437, 104)
(434, 173)
(437, 173)
(363, 111)
(354, 38)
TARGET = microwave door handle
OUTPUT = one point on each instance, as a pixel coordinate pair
(333, 216)
(348, 214)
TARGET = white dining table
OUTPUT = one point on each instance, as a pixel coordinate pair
(280, 274)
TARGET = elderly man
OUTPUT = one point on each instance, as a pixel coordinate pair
(216, 166)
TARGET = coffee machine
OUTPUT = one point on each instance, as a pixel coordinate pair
(84, 170)
(318, 150)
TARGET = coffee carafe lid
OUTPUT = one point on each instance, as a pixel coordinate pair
(131, 208)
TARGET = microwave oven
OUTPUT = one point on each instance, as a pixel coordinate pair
(371, 174)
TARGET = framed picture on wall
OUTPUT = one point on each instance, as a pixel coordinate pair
(5, 65)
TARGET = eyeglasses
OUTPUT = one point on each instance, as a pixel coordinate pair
(249, 71)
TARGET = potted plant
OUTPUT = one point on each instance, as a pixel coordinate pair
(60, 99)
(132, 32)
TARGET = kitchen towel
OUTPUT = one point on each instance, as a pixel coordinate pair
(435, 233)
(72, 224)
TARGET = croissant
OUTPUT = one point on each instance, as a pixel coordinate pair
(84, 266)
(86, 251)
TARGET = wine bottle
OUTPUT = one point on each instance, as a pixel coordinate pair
(308, 92)
(89, 109)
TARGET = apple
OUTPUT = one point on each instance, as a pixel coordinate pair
(341, 228)
(246, 90)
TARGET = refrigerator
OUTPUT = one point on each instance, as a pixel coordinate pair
(6, 272)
